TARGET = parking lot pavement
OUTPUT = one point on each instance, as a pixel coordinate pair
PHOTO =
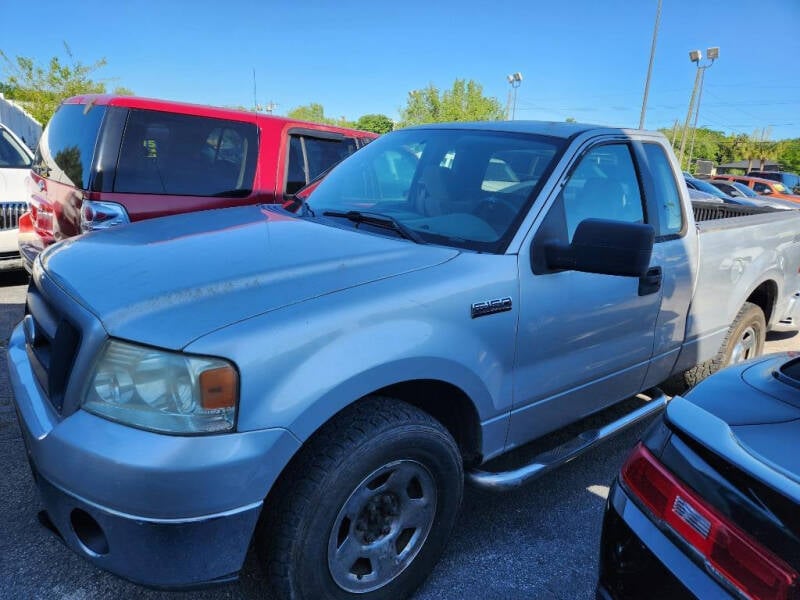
(538, 542)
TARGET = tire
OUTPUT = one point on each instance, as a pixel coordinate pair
(379, 486)
(745, 340)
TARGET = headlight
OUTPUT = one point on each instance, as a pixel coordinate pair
(163, 391)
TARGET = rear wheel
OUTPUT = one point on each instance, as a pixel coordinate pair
(745, 340)
(366, 508)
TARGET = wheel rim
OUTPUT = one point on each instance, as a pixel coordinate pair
(382, 526)
(746, 346)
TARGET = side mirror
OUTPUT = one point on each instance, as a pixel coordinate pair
(605, 247)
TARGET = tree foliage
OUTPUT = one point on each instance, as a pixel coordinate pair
(464, 101)
(756, 148)
(40, 88)
(315, 113)
(375, 122)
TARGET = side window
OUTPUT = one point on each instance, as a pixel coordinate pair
(310, 156)
(761, 188)
(603, 186)
(667, 197)
(66, 147)
(186, 155)
(324, 153)
(297, 170)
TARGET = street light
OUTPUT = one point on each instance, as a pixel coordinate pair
(696, 56)
(515, 79)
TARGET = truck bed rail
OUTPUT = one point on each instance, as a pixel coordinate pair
(710, 211)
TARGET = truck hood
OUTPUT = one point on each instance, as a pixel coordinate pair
(748, 415)
(168, 281)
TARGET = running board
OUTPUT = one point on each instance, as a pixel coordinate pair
(555, 457)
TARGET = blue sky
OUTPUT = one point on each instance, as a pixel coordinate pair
(585, 59)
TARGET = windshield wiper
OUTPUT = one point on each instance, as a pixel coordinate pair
(377, 220)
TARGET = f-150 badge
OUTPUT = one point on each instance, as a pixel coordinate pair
(481, 309)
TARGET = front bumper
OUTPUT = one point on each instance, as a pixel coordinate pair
(638, 560)
(163, 511)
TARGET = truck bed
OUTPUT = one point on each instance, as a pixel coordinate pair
(742, 251)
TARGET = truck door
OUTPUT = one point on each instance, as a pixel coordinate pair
(584, 340)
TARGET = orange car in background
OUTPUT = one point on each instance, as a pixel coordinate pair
(764, 187)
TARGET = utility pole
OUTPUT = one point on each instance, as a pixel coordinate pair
(515, 79)
(255, 101)
(688, 118)
(696, 115)
(674, 133)
(650, 66)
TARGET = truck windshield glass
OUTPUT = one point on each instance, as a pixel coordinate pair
(461, 188)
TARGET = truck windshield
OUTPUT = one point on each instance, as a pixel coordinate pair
(456, 187)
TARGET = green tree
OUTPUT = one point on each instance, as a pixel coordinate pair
(40, 88)
(570, 120)
(463, 102)
(789, 155)
(375, 122)
(315, 113)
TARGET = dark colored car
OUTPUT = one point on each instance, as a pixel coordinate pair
(109, 160)
(790, 180)
(704, 186)
(708, 503)
(740, 190)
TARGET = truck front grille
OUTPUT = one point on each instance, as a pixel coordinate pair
(52, 343)
(10, 213)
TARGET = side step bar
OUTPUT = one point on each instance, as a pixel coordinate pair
(555, 457)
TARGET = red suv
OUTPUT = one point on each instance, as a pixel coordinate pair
(108, 160)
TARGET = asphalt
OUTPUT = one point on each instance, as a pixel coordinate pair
(538, 542)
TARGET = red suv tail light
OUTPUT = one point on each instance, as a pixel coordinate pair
(728, 550)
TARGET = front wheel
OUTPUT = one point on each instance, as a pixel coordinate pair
(366, 508)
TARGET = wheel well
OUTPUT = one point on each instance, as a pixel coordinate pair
(764, 297)
(447, 404)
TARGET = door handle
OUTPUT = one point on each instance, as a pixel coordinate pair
(650, 282)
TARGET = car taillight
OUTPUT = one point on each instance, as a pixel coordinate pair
(42, 217)
(728, 550)
(102, 215)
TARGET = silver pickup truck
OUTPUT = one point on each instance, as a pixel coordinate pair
(322, 382)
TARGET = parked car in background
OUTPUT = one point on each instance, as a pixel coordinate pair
(763, 187)
(108, 160)
(707, 504)
(790, 180)
(320, 382)
(701, 185)
(15, 166)
(741, 191)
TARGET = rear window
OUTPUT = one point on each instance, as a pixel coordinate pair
(185, 155)
(67, 144)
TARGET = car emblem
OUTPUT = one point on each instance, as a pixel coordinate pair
(490, 307)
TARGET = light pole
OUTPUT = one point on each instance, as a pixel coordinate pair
(650, 66)
(696, 56)
(515, 79)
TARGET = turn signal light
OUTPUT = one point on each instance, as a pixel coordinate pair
(738, 558)
(218, 388)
